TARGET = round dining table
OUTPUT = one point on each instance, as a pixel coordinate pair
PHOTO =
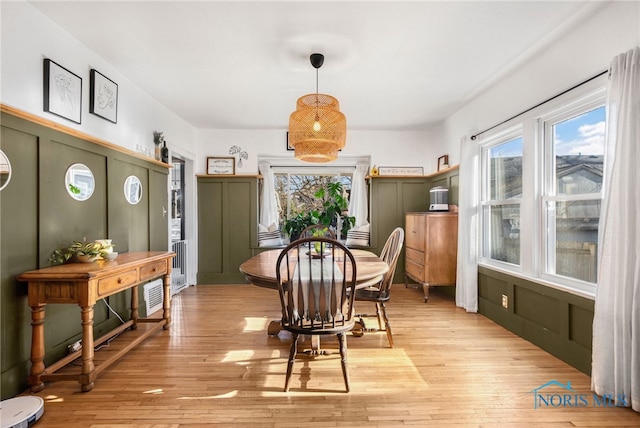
(260, 270)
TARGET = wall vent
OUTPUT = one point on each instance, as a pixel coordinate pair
(153, 296)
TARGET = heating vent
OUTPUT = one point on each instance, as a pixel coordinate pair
(153, 296)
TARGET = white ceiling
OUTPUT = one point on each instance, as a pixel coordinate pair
(397, 65)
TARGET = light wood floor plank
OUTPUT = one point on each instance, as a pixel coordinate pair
(217, 366)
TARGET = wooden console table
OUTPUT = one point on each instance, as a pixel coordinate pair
(85, 284)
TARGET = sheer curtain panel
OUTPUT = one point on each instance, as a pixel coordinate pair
(269, 207)
(358, 197)
(616, 324)
(468, 199)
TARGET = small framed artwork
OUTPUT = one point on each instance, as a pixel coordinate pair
(221, 165)
(400, 170)
(62, 92)
(103, 98)
(288, 145)
(443, 162)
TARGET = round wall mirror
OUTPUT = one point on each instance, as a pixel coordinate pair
(79, 182)
(5, 170)
(132, 189)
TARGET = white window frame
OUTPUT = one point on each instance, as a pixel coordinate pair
(549, 196)
(486, 202)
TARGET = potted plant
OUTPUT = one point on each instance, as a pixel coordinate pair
(295, 225)
(83, 251)
(334, 207)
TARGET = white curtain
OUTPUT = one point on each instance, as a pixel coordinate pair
(468, 199)
(269, 206)
(616, 324)
(358, 198)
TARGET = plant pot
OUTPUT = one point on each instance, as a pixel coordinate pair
(83, 258)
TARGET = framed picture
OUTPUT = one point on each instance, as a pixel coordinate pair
(62, 92)
(443, 162)
(221, 166)
(400, 170)
(288, 146)
(103, 99)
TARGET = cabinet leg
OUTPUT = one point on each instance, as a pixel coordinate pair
(425, 290)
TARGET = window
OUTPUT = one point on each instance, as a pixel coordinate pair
(501, 200)
(295, 189)
(541, 191)
(574, 152)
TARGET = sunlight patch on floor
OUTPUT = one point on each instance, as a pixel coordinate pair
(229, 394)
(255, 323)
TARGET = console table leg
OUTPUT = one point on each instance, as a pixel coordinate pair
(166, 302)
(134, 307)
(87, 373)
(37, 348)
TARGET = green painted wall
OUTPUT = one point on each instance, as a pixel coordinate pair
(37, 216)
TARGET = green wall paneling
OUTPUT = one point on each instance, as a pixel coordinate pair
(18, 253)
(390, 198)
(557, 321)
(129, 224)
(227, 226)
(64, 219)
(38, 216)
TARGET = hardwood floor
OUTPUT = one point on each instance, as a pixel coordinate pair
(217, 366)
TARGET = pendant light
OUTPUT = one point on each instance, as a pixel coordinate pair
(317, 129)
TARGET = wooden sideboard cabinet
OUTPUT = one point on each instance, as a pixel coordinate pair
(431, 246)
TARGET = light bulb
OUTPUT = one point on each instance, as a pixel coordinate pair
(316, 126)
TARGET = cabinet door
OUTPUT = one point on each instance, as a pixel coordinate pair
(227, 223)
(415, 229)
(441, 252)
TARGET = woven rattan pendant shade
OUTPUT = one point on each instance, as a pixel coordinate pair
(317, 129)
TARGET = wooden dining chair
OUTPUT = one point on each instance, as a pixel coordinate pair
(380, 293)
(316, 281)
(319, 230)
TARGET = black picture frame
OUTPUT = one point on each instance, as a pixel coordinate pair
(62, 92)
(443, 162)
(103, 96)
(288, 145)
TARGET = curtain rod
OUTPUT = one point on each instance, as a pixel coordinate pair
(473, 137)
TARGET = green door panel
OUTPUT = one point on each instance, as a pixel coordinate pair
(158, 210)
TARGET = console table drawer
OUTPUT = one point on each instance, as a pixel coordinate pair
(117, 282)
(153, 270)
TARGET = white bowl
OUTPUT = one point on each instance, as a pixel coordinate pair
(110, 256)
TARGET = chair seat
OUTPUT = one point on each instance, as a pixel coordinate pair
(372, 295)
(326, 331)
